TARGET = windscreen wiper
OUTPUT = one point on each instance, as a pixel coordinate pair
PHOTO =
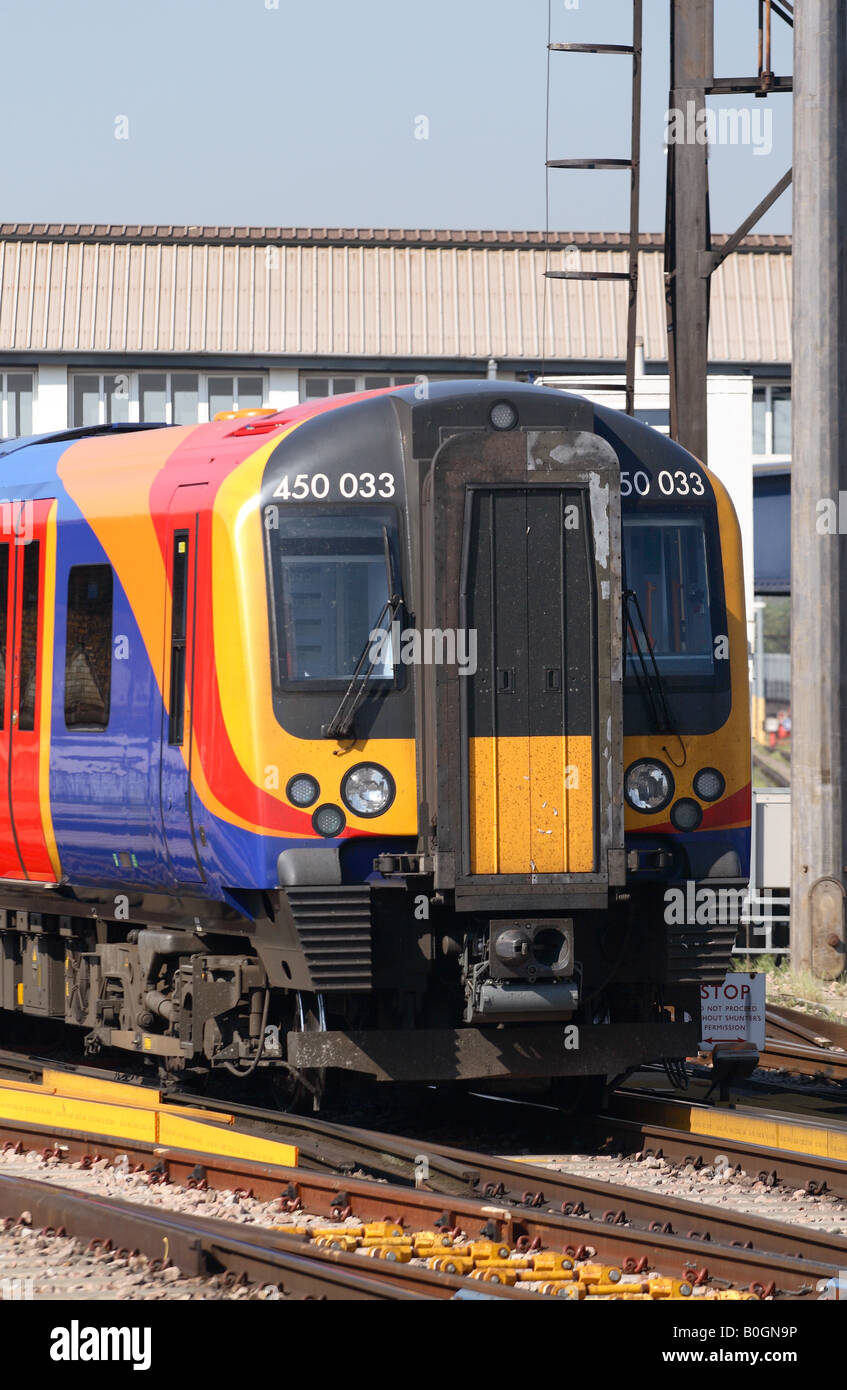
(341, 723)
(650, 681)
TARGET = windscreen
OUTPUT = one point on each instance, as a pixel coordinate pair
(329, 582)
(667, 567)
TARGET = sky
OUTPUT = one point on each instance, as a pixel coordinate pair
(378, 113)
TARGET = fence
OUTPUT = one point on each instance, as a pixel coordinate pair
(776, 672)
(764, 930)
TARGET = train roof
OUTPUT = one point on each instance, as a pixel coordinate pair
(30, 466)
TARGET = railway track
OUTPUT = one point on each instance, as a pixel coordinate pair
(801, 1027)
(804, 1044)
(791, 1267)
(342, 1166)
(511, 1202)
(803, 1059)
(450, 1170)
(769, 1164)
(201, 1246)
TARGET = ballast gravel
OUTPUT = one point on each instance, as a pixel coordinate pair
(58, 1268)
(715, 1186)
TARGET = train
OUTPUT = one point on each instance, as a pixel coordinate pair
(369, 736)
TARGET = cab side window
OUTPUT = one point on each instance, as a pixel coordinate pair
(88, 652)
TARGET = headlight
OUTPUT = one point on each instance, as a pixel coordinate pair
(648, 787)
(709, 784)
(367, 790)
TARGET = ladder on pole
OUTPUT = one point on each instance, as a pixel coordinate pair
(633, 164)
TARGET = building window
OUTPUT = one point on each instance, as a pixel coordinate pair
(772, 421)
(772, 532)
(168, 398)
(116, 399)
(153, 398)
(316, 387)
(86, 400)
(185, 398)
(659, 419)
(17, 390)
(235, 393)
(88, 649)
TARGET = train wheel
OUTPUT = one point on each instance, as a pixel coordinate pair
(300, 1091)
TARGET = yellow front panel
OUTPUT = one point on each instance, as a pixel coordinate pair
(531, 805)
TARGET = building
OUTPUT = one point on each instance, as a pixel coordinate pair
(108, 323)
(131, 323)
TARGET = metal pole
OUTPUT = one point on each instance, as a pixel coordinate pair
(634, 206)
(818, 475)
(759, 674)
(688, 237)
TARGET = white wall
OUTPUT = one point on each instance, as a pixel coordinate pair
(283, 387)
(730, 414)
(52, 408)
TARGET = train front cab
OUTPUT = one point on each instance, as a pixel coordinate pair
(522, 931)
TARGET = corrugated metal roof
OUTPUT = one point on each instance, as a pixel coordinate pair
(365, 293)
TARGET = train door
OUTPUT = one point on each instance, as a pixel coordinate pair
(530, 597)
(27, 594)
(182, 539)
(524, 746)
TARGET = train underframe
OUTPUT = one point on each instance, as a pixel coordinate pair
(384, 981)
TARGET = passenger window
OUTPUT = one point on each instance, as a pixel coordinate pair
(178, 625)
(29, 637)
(88, 650)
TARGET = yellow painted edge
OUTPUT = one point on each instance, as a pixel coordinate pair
(179, 1133)
(69, 1084)
(118, 1093)
(66, 1112)
(535, 1160)
(149, 1121)
(45, 722)
(790, 1135)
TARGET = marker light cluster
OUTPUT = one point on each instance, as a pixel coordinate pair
(329, 821)
(686, 814)
(709, 784)
(503, 416)
(302, 790)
